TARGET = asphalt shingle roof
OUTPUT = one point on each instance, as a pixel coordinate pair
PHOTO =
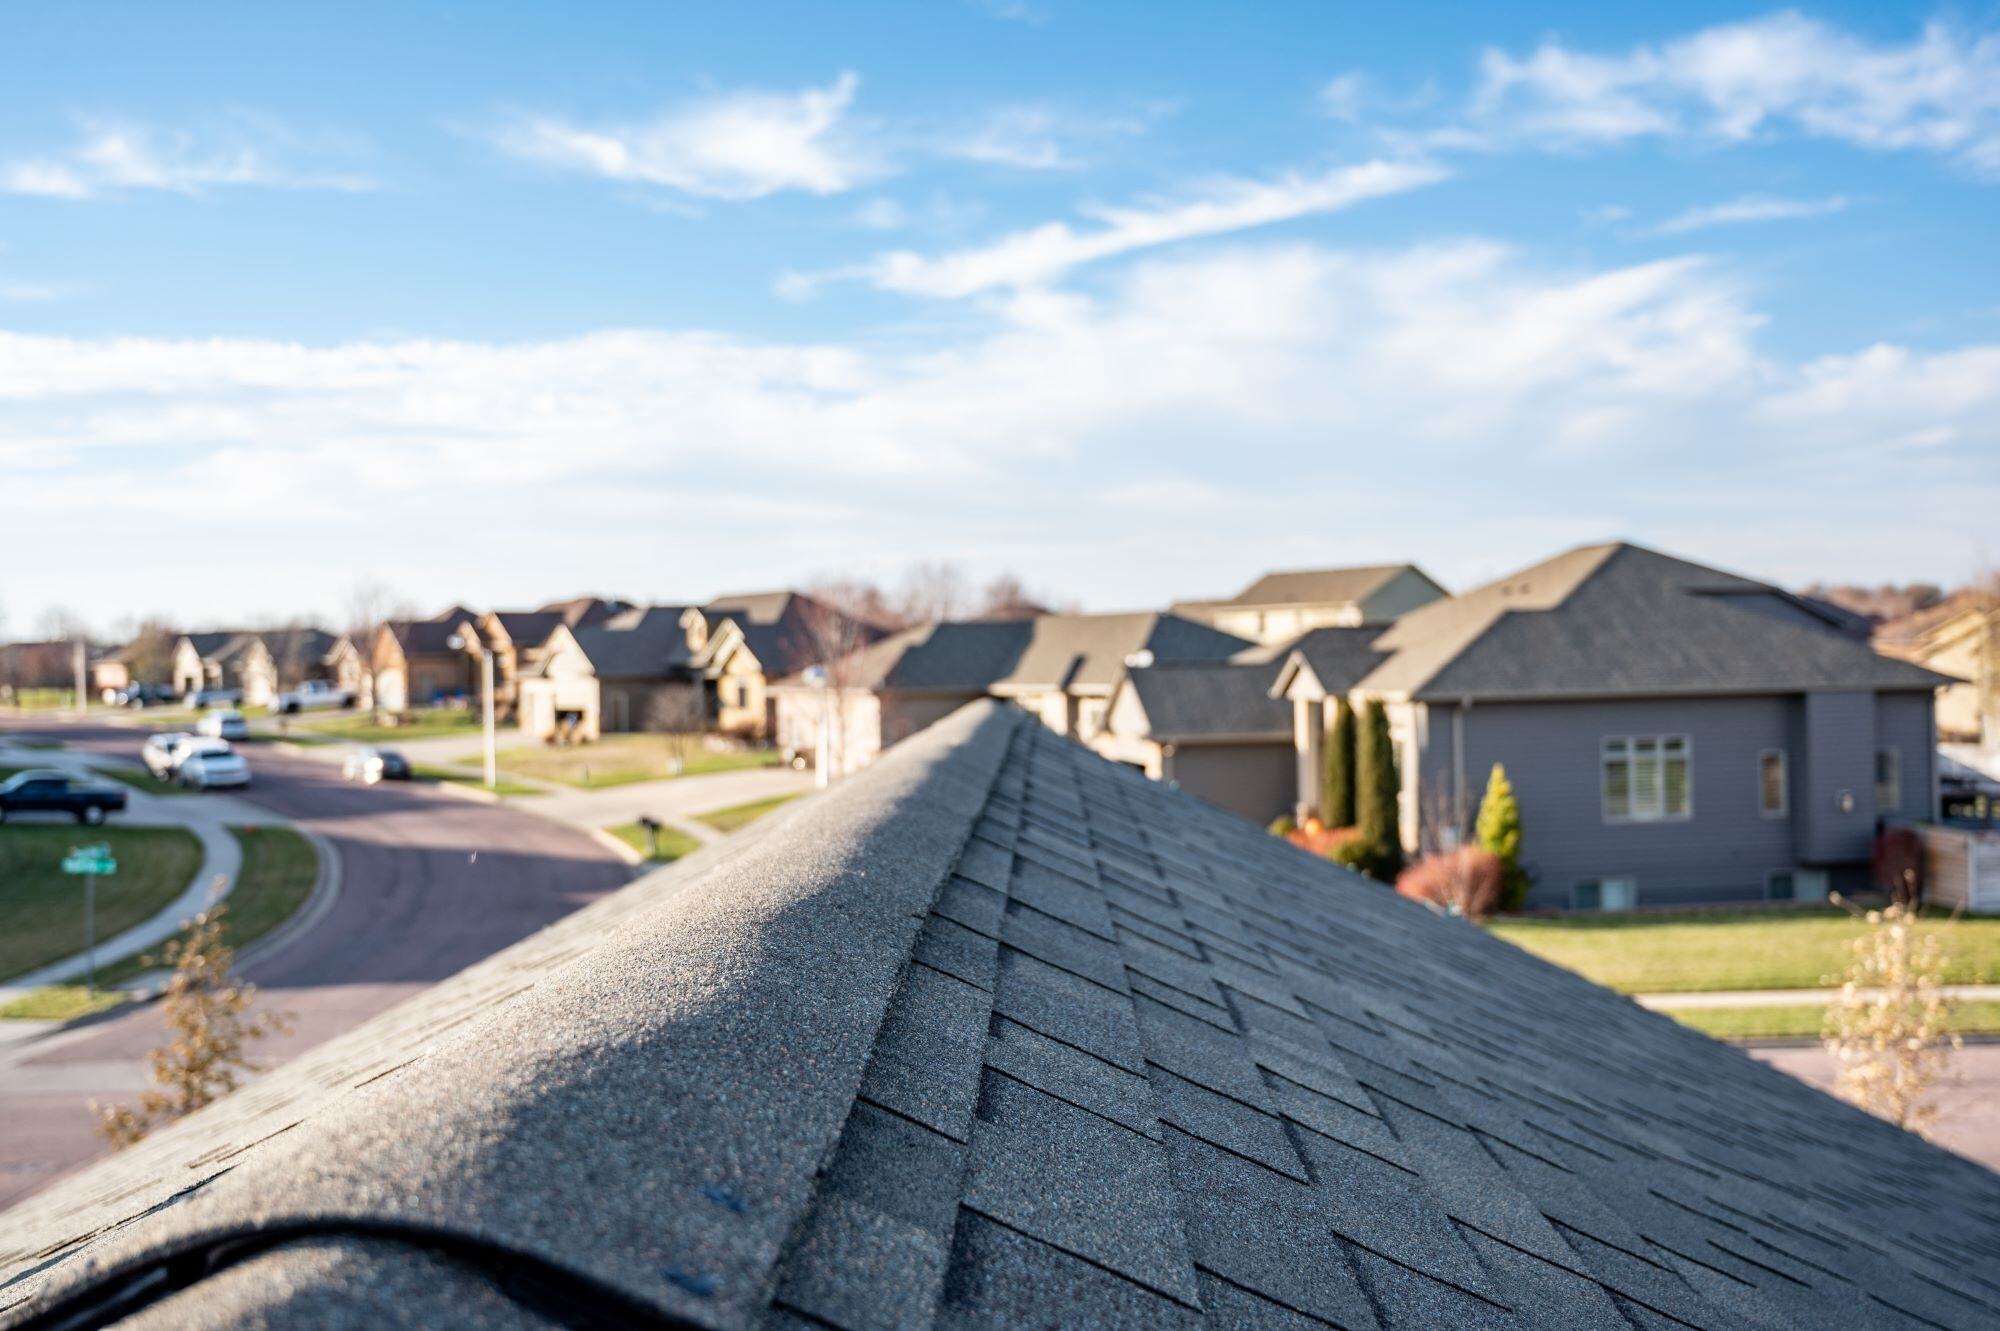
(1621, 619)
(998, 1033)
(1184, 702)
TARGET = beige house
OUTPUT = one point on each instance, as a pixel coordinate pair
(413, 662)
(1960, 638)
(260, 663)
(1062, 668)
(1278, 607)
(1212, 729)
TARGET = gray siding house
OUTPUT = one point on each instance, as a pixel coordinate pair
(1674, 734)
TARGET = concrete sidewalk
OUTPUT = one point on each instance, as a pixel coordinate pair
(207, 816)
(1726, 998)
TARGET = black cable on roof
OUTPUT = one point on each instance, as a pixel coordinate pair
(567, 1297)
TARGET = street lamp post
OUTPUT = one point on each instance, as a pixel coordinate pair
(458, 643)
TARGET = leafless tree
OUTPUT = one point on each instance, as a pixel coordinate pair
(932, 591)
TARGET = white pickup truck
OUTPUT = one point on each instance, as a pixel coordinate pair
(314, 695)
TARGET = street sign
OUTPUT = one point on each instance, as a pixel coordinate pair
(90, 860)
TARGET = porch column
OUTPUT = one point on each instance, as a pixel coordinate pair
(1308, 734)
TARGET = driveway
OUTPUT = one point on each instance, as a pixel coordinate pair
(430, 884)
(1968, 1108)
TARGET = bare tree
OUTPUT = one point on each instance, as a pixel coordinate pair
(208, 1015)
(933, 590)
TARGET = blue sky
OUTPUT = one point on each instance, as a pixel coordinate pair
(498, 303)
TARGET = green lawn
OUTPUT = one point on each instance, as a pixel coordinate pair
(43, 906)
(672, 844)
(460, 776)
(279, 869)
(618, 760)
(360, 726)
(742, 815)
(1678, 953)
(140, 779)
(1804, 1020)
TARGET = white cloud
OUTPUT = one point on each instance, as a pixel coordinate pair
(115, 157)
(1495, 409)
(1045, 253)
(1044, 138)
(1749, 208)
(1939, 92)
(733, 145)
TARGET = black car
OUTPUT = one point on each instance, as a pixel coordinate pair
(49, 791)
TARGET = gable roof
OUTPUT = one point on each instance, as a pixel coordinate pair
(1184, 702)
(998, 1033)
(1087, 653)
(1321, 586)
(1607, 620)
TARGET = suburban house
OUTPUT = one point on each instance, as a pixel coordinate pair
(1062, 668)
(665, 667)
(1211, 728)
(1959, 637)
(259, 663)
(1278, 607)
(998, 1034)
(1673, 733)
(414, 664)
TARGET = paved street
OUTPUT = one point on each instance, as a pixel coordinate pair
(431, 883)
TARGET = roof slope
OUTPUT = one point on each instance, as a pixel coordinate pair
(1621, 619)
(1089, 651)
(1318, 586)
(998, 1033)
(1188, 702)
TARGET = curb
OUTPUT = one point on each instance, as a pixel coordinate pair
(325, 891)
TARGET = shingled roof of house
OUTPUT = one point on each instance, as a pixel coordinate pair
(997, 1033)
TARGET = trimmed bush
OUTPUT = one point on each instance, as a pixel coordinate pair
(1337, 794)
(1499, 831)
(1464, 882)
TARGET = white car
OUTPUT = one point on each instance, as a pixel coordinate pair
(225, 724)
(163, 752)
(210, 764)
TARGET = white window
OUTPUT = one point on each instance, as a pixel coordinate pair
(1888, 780)
(1796, 885)
(1647, 778)
(1605, 894)
(1771, 783)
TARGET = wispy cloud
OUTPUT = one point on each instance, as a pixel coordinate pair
(742, 144)
(1939, 92)
(115, 157)
(1749, 208)
(1045, 253)
(1045, 138)
(1481, 363)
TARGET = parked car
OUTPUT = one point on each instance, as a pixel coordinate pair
(371, 765)
(225, 724)
(314, 695)
(40, 790)
(211, 764)
(163, 752)
(206, 698)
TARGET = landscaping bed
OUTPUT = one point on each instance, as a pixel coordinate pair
(1805, 948)
(43, 906)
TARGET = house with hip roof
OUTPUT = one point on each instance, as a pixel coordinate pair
(1673, 733)
(1001, 1034)
(1278, 607)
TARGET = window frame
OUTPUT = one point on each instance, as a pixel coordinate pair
(1625, 749)
(1894, 804)
(1784, 808)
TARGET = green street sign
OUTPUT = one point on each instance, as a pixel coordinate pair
(84, 862)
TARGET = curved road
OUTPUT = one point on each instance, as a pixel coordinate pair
(431, 882)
